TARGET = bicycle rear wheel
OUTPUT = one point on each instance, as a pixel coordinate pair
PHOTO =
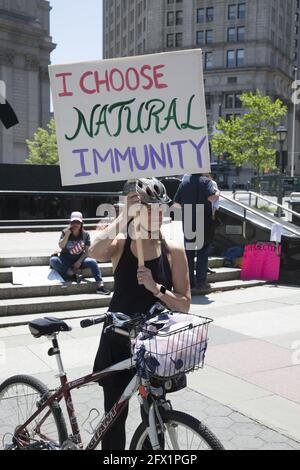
(20, 397)
(183, 432)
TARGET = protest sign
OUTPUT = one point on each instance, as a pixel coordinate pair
(130, 118)
(261, 262)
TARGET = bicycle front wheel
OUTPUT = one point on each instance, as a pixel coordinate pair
(20, 398)
(182, 432)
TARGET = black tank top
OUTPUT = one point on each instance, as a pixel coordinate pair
(129, 297)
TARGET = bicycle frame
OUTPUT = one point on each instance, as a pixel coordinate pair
(64, 393)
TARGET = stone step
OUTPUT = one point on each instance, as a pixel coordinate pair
(19, 320)
(88, 286)
(6, 275)
(235, 284)
(39, 228)
(80, 302)
(24, 306)
(6, 262)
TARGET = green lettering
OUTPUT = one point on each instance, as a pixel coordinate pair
(172, 116)
(154, 112)
(187, 124)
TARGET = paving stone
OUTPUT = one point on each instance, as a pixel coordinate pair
(247, 443)
(247, 429)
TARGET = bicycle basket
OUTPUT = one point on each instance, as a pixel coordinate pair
(172, 344)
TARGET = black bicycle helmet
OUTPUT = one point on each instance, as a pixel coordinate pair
(151, 191)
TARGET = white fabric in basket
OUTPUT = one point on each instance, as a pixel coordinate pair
(178, 352)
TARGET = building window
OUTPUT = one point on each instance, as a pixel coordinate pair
(200, 38)
(200, 15)
(179, 17)
(179, 39)
(231, 34)
(208, 101)
(241, 33)
(232, 80)
(208, 60)
(231, 12)
(210, 14)
(209, 36)
(231, 59)
(240, 58)
(242, 11)
(237, 101)
(170, 40)
(170, 18)
(229, 101)
(235, 58)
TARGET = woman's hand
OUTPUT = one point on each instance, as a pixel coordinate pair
(132, 200)
(68, 231)
(144, 277)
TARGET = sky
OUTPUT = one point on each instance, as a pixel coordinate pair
(76, 28)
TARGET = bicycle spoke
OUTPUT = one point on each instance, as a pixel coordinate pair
(17, 404)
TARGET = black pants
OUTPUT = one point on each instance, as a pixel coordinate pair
(114, 349)
(115, 439)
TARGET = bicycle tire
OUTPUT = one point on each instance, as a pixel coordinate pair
(43, 391)
(182, 418)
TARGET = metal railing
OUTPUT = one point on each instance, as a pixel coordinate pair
(269, 201)
(60, 193)
(294, 195)
(258, 214)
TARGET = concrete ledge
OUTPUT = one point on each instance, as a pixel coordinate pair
(52, 304)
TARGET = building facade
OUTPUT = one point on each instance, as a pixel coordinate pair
(25, 47)
(247, 45)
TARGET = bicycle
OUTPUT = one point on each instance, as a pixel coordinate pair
(32, 418)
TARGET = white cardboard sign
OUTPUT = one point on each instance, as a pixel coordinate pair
(130, 118)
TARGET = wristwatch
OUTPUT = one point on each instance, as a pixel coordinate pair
(161, 292)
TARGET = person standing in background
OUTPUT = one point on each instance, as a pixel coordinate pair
(198, 189)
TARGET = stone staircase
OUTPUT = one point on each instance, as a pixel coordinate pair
(18, 304)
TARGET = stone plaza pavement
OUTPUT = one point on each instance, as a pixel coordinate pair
(249, 391)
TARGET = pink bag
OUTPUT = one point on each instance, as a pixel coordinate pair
(261, 262)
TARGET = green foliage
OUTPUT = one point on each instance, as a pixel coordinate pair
(43, 147)
(251, 138)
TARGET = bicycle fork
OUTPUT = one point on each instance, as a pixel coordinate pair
(155, 421)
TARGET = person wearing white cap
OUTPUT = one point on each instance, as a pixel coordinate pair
(74, 244)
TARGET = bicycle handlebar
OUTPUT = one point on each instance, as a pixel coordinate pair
(120, 320)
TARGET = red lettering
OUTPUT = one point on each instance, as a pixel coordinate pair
(64, 82)
(99, 82)
(157, 76)
(111, 79)
(137, 79)
(83, 86)
(147, 77)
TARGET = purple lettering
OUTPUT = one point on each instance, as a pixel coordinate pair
(81, 153)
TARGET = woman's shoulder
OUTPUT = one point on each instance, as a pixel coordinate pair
(174, 247)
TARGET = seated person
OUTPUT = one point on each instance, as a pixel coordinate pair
(74, 244)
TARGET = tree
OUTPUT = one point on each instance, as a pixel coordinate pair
(43, 147)
(252, 137)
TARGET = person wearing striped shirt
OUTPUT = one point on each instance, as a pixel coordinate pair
(74, 244)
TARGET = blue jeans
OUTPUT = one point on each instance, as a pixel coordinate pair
(201, 266)
(62, 263)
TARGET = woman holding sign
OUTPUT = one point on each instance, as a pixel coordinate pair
(164, 276)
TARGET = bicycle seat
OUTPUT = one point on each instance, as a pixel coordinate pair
(47, 326)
